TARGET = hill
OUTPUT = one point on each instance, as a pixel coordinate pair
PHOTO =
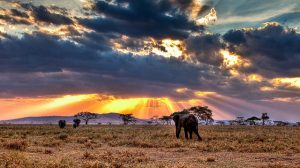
(109, 118)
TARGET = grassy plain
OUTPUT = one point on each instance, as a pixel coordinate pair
(148, 146)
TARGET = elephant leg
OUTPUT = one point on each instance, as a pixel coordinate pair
(178, 131)
(191, 134)
(186, 133)
(196, 132)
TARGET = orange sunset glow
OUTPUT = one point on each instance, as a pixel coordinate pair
(71, 104)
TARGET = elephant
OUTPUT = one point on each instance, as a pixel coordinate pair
(62, 123)
(76, 123)
(190, 124)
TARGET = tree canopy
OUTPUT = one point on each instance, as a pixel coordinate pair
(264, 117)
(86, 116)
(127, 118)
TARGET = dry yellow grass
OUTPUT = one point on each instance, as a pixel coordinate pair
(148, 146)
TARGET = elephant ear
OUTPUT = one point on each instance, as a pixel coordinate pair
(176, 119)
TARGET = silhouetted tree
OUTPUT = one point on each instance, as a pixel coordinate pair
(86, 116)
(166, 119)
(252, 120)
(202, 112)
(127, 118)
(264, 117)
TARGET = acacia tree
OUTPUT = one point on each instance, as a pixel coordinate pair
(202, 112)
(166, 119)
(86, 116)
(264, 117)
(127, 118)
(252, 120)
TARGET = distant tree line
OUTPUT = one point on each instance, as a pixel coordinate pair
(202, 113)
(256, 120)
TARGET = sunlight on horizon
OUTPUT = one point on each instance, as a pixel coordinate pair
(223, 107)
(71, 104)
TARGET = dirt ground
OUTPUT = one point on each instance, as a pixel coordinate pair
(148, 146)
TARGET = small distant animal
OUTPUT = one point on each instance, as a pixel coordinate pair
(76, 123)
(62, 124)
(190, 124)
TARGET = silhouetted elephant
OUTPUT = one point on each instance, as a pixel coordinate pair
(190, 124)
(62, 123)
(76, 123)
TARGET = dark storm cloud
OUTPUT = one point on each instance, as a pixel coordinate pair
(18, 13)
(206, 48)
(28, 62)
(13, 20)
(235, 36)
(41, 64)
(41, 13)
(159, 19)
(14, 16)
(40, 53)
(273, 50)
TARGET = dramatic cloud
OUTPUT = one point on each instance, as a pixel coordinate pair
(273, 49)
(41, 13)
(159, 19)
(19, 55)
(13, 20)
(14, 16)
(18, 13)
(206, 48)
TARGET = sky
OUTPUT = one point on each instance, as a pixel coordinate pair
(150, 57)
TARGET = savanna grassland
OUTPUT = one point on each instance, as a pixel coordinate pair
(148, 146)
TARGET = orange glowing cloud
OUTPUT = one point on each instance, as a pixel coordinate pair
(287, 82)
(232, 60)
(171, 47)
